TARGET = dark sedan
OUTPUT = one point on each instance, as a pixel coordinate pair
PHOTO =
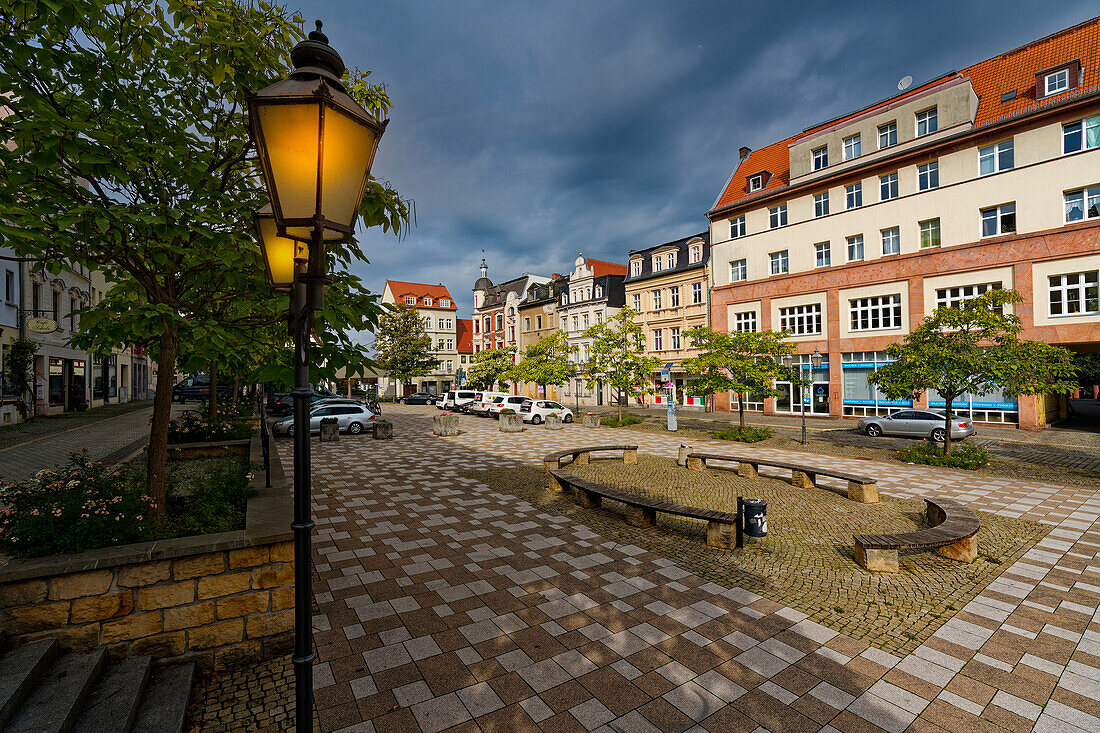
(420, 398)
(285, 404)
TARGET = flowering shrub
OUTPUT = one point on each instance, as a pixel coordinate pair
(969, 455)
(194, 427)
(225, 408)
(79, 508)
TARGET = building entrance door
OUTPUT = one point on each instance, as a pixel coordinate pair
(820, 405)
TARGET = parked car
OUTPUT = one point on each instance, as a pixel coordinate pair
(481, 402)
(353, 418)
(420, 398)
(457, 400)
(916, 424)
(535, 411)
(508, 402)
(197, 387)
(285, 405)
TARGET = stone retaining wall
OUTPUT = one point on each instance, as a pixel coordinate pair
(214, 599)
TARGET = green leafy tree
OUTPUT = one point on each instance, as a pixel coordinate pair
(742, 362)
(546, 362)
(492, 366)
(127, 150)
(20, 369)
(1088, 369)
(402, 348)
(617, 356)
(973, 349)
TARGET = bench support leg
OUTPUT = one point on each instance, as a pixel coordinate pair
(747, 470)
(721, 535)
(963, 550)
(696, 464)
(555, 485)
(880, 561)
(863, 493)
(581, 459)
(549, 466)
(640, 516)
(588, 499)
(802, 479)
(630, 456)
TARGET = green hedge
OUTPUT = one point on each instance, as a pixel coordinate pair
(744, 434)
(968, 456)
(614, 422)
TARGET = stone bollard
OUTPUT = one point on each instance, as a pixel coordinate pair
(591, 421)
(383, 430)
(553, 422)
(682, 457)
(511, 423)
(330, 430)
(445, 425)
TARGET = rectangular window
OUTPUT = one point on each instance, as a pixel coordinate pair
(821, 158)
(656, 300)
(853, 195)
(527, 323)
(410, 300)
(821, 204)
(635, 268)
(72, 314)
(696, 293)
(756, 182)
(930, 233)
(891, 241)
(656, 263)
(875, 314)
(927, 122)
(778, 216)
(1084, 203)
(671, 260)
(657, 345)
(995, 158)
(674, 337)
(822, 255)
(998, 220)
(638, 302)
(801, 320)
(928, 176)
(1055, 82)
(538, 322)
(887, 135)
(745, 322)
(1074, 294)
(674, 297)
(695, 254)
(956, 296)
(855, 248)
(852, 147)
(737, 227)
(1081, 135)
(888, 186)
(9, 286)
(445, 303)
(779, 262)
(739, 270)
(441, 326)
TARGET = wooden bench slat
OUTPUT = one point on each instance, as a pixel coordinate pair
(639, 500)
(960, 523)
(761, 461)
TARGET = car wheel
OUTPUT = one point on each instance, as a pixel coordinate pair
(355, 428)
(290, 431)
(939, 434)
(536, 419)
(874, 430)
(567, 418)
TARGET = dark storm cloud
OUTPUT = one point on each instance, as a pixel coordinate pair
(536, 130)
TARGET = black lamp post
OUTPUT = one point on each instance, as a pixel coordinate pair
(315, 145)
(803, 383)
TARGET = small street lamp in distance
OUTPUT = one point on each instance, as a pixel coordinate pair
(803, 383)
(315, 146)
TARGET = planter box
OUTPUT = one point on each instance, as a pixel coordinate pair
(218, 599)
(383, 430)
(591, 421)
(211, 449)
(511, 423)
(553, 422)
(445, 425)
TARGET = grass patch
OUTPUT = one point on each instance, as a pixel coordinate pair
(970, 457)
(747, 434)
(615, 422)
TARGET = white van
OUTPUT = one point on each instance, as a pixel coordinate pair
(458, 400)
(482, 400)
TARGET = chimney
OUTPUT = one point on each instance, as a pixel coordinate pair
(744, 152)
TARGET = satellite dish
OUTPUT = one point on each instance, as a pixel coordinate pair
(905, 83)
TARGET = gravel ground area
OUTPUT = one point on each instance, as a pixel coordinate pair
(806, 562)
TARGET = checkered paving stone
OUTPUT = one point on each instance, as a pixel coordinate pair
(444, 604)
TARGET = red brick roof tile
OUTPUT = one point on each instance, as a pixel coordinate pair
(420, 291)
(601, 268)
(465, 335)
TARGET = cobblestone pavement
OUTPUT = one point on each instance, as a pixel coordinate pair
(256, 698)
(101, 438)
(446, 604)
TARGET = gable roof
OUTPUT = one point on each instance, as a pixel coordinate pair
(601, 268)
(464, 333)
(420, 291)
(1013, 70)
(680, 246)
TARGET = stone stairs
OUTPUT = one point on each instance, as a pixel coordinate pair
(44, 691)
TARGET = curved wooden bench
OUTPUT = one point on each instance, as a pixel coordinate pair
(641, 511)
(952, 533)
(863, 489)
(581, 455)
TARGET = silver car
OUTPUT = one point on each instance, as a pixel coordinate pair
(353, 418)
(916, 424)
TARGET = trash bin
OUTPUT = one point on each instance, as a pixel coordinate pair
(755, 517)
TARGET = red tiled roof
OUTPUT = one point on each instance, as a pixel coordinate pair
(1012, 70)
(420, 291)
(465, 335)
(601, 268)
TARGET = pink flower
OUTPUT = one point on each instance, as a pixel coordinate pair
(83, 516)
(57, 512)
(34, 512)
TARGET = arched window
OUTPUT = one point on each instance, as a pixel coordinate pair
(599, 292)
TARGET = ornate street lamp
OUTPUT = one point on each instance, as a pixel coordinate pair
(315, 146)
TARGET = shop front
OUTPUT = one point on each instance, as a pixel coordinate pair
(814, 400)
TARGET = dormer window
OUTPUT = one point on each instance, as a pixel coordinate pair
(410, 300)
(444, 303)
(635, 268)
(427, 301)
(695, 253)
(657, 263)
(821, 157)
(756, 182)
(1056, 82)
(671, 260)
(565, 298)
(599, 292)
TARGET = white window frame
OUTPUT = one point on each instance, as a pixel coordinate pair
(1083, 128)
(737, 227)
(696, 293)
(427, 301)
(928, 176)
(820, 157)
(894, 240)
(637, 302)
(745, 322)
(780, 262)
(933, 226)
(695, 254)
(1000, 156)
(658, 342)
(875, 313)
(1086, 287)
(998, 216)
(777, 216)
(410, 300)
(674, 297)
(853, 147)
(444, 303)
(822, 254)
(856, 250)
(853, 195)
(1083, 197)
(674, 338)
(656, 263)
(929, 119)
(1060, 79)
(739, 270)
(889, 131)
(801, 320)
(821, 204)
(956, 295)
(635, 268)
(670, 261)
(756, 182)
(888, 186)
(657, 299)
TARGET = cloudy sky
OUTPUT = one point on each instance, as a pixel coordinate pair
(537, 130)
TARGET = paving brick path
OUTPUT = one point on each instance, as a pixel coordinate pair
(445, 604)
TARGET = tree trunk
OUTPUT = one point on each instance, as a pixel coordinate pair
(156, 482)
(212, 401)
(947, 426)
(741, 408)
(236, 388)
(619, 392)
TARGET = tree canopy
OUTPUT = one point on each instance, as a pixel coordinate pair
(738, 361)
(617, 356)
(546, 362)
(401, 347)
(491, 366)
